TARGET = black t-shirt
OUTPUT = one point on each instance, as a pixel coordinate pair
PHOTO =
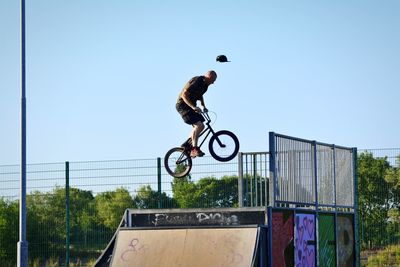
(196, 87)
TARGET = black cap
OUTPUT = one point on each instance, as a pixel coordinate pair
(222, 58)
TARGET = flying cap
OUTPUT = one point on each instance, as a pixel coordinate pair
(222, 58)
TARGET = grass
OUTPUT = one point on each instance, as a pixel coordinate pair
(53, 262)
(388, 257)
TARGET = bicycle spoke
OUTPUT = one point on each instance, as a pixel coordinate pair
(181, 160)
(177, 162)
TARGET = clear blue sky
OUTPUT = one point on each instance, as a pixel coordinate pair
(103, 76)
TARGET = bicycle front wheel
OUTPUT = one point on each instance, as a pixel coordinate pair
(223, 146)
(177, 162)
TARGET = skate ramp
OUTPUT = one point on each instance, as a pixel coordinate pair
(195, 247)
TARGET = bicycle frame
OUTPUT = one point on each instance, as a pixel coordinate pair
(181, 155)
(207, 130)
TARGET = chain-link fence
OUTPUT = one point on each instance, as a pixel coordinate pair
(99, 192)
(95, 194)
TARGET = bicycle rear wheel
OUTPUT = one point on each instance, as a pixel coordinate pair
(223, 146)
(177, 162)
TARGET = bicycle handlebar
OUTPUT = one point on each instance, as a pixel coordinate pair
(205, 115)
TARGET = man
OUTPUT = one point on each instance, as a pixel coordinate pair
(187, 106)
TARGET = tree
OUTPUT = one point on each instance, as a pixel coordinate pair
(111, 205)
(184, 192)
(392, 177)
(208, 192)
(83, 222)
(146, 198)
(8, 231)
(47, 217)
(373, 198)
(46, 223)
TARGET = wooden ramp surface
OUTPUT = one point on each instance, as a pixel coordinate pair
(197, 247)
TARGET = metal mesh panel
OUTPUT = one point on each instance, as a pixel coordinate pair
(295, 178)
(391, 154)
(100, 176)
(344, 177)
(254, 179)
(325, 174)
(40, 177)
(9, 182)
(311, 173)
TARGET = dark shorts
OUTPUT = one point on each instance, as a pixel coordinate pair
(189, 115)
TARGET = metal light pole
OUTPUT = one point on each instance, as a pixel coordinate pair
(22, 260)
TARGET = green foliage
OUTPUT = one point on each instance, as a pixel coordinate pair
(55, 262)
(46, 222)
(208, 192)
(47, 215)
(184, 192)
(378, 201)
(8, 230)
(392, 177)
(393, 227)
(111, 205)
(146, 198)
(372, 184)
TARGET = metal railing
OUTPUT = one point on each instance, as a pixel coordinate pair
(310, 173)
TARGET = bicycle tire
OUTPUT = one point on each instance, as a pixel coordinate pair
(230, 149)
(178, 162)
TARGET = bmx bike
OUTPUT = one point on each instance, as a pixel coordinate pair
(223, 146)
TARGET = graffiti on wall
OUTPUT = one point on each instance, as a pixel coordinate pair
(345, 240)
(326, 239)
(304, 245)
(282, 238)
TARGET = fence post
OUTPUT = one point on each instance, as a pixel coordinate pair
(356, 219)
(273, 188)
(255, 179)
(67, 241)
(159, 181)
(315, 170)
(240, 180)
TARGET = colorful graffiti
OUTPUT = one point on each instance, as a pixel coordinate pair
(345, 240)
(304, 246)
(326, 239)
(282, 238)
(294, 239)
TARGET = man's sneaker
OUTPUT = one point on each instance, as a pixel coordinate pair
(196, 152)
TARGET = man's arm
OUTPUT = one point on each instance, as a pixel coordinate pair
(185, 97)
(203, 104)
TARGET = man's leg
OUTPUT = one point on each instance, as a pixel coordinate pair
(197, 128)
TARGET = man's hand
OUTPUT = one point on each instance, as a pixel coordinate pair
(205, 109)
(197, 109)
